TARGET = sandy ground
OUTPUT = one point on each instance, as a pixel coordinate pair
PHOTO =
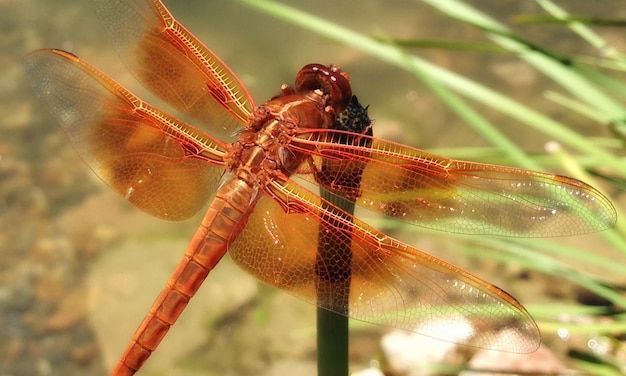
(79, 267)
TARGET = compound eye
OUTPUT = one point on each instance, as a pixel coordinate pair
(330, 80)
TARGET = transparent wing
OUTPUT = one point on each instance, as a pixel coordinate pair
(158, 163)
(391, 283)
(175, 65)
(432, 191)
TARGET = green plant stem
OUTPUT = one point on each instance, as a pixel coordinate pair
(333, 291)
(332, 343)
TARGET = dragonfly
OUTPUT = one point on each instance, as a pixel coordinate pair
(254, 164)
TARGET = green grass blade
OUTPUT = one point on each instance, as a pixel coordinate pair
(455, 82)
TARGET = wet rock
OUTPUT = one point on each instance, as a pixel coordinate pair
(412, 354)
(125, 281)
(69, 312)
(495, 363)
(372, 371)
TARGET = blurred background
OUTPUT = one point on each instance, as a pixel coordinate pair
(79, 267)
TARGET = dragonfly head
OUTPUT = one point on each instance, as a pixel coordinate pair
(329, 79)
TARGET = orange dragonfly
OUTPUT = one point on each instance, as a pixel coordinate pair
(269, 223)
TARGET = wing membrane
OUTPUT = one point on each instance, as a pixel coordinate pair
(158, 163)
(175, 65)
(391, 283)
(451, 195)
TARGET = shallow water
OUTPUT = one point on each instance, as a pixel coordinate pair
(79, 267)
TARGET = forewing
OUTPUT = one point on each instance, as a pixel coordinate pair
(175, 65)
(451, 195)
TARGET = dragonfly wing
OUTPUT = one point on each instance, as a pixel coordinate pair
(436, 192)
(176, 66)
(158, 163)
(391, 283)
